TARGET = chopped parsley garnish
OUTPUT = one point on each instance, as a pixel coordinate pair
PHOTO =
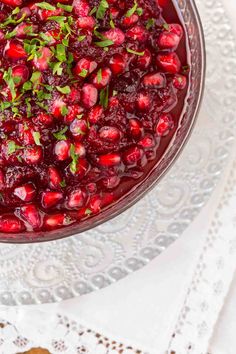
(9, 79)
(88, 212)
(134, 9)
(12, 147)
(101, 10)
(104, 97)
(60, 52)
(37, 136)
(99, 76)
(166, 26)
(129, 50)
(61, 134)
(150, 23)
(63, 183)
(75, 158)
(64, 90)
(45, 6)
(105, 43)
(83, 73)
(81, 38)
(67, 8)
(64, 111)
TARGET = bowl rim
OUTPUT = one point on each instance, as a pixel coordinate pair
(67, 232)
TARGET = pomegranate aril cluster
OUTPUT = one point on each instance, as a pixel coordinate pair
(91, 93)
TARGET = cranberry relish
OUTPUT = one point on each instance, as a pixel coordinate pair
(91, 95)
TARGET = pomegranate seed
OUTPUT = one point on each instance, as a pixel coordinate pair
(89, 95)
(26, 133)
(74, 95)
(11, 224)
(176, 29)
(154, 80)
(111, 182)
(91, 188)
(107, 199)
(73, 112)
(14, 50)
(57, 220)
(95, 204)
(20, 74)
(2, 36)
(42, 62)
(86, 22)
(50, 199)
(54, 177)
(62, 149)
(81, 8)
(95, 114)
(143, 101)
(43, 119)
(114, 12)
(45, 14)
(78, 128)
(109, 160)
(147, 142)
(169, 62)
(80, 149)
(81, 169)
(102, 78)
(115, 35)
(133, 155)
(180, 82)
(129, 21)
(85, 67)
(33, 155)
(76, 199)
(145, 60)
(117, 64)
(57, 108)
(168, 40)
(26, 192)
(31, 215)
(164, 125)
(137, 33)
(12, 3)
(135, 128)
(25, 11)
(109, 133)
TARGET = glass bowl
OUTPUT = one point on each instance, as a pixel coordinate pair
(188, 13)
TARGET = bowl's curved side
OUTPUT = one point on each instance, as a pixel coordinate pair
(197, 59)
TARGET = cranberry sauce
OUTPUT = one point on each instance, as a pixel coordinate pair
(91, 93)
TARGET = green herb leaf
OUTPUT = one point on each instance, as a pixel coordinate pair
(10, 34)
(61, 134)
(94, 9)
(166, 26)
(63, 183)
(37, 136)
(103, 6)
(65, 90)
(45, 6)
(12, 147)
(150, 23)
(27, 86)
(88, 212)
(99, 76)
(129, 50)
(57, 69)
(58, 19)
(64, 111)
(83, 73)
(112, 23)
(139, 11)
(8, 78)
(104, 97)
(105, 43)
(67, 8)
(75, 158)
(81, 38)
(60, 52)
(131, 11)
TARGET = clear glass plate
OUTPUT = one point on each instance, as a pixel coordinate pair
(58, 270)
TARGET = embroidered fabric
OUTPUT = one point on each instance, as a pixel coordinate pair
(56, 333)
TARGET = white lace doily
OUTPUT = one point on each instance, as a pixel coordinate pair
(51, 272)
